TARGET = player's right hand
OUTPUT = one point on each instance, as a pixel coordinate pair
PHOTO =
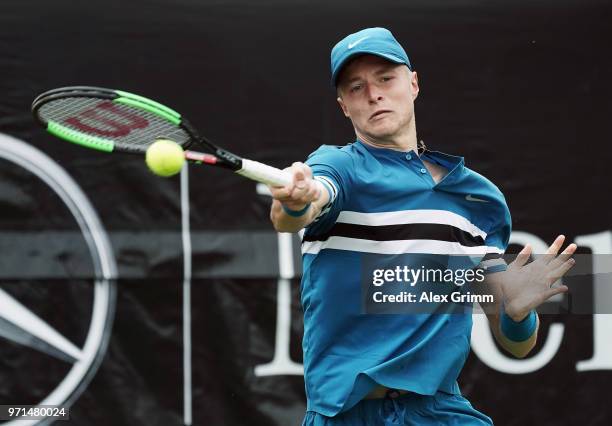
(302, 190)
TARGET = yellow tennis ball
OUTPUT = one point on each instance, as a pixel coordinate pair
(165, 157)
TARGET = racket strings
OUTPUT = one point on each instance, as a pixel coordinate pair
(131, 128)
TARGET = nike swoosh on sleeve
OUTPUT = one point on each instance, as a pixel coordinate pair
(470, 198)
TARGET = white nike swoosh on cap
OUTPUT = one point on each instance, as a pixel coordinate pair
(351, 45)
(470, 198)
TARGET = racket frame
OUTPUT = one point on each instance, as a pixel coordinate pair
(218, 156)
(225, 158)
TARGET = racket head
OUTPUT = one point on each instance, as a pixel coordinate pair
(110, 120)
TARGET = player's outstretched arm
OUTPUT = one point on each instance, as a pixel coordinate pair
(296, 205)
(520, 290)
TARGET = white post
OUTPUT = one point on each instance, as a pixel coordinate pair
(282, 364)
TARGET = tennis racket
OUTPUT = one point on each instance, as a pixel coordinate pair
(116, 121)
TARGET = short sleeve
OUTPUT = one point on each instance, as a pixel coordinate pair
(332, 167)
(497, 241)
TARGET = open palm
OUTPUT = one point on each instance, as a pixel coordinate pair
(526, 286)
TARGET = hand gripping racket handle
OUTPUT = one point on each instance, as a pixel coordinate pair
(265, 174)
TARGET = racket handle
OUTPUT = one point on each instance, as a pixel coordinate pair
(263, 173)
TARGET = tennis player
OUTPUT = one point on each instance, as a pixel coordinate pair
(384, 194)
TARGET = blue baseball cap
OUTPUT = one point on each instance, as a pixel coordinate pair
(371, 41)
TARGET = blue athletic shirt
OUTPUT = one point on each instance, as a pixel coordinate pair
(347, 352)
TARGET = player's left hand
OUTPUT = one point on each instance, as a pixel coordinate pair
(526, 286)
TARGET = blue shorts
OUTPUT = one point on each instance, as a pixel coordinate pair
(407, 409)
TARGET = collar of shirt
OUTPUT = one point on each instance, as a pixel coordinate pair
(453, 163)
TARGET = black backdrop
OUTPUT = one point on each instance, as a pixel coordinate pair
(521, 89)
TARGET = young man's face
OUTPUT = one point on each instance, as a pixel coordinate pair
(378, 96)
